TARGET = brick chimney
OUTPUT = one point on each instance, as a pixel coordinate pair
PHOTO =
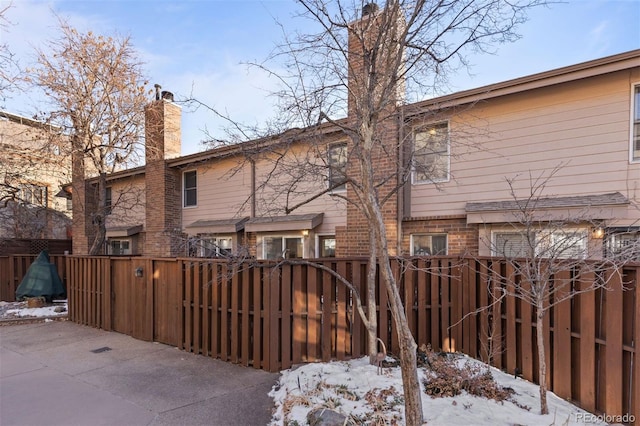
(373, 56)
(163, 207)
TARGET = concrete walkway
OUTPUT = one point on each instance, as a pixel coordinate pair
(62, 373)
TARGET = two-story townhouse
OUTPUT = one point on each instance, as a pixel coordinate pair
(572, 133)
(34, 164)
(572, 130)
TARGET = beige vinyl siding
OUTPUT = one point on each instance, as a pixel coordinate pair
(128, 202)
(223, 192)
(581, 127)
(272, 199)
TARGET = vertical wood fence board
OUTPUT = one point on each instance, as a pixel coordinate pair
(395, 272)
(268, 318)
(299, 307)
(409, 298)
(526, 334)
(496, 336)
(422, 313)
(224, 313)
(258, 319)
(587, 375)
(613, 351)
(457, 303)
(188, 301)
(445, 306)
(357, 329)
(275, 342)
(235, 315)
(342, 334)
(206, 309)
(436, 342)
(467, 308)
(510, 334)
(215, 310)
(313, 324)
(383, 313)
(247, 273)
(286, 318)
(328, 320)
(197, 307)
(562, 337)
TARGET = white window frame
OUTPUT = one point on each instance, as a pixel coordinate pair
(425, 128)
(343, 187)
(263, 247)
(119, 240)
(320, 236)
(634, 155)
(214, 240)
(615, 239)
(184, 189)
(546, 233)
(429, 234)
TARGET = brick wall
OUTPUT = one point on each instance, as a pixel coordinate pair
(163, 212)
(384, 156)
(461, 237)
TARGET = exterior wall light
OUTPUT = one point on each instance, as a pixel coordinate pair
(305, 232)
(598, 232)
(138, 271)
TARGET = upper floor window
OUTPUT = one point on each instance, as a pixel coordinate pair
(189, 185)
(33, 194)
(431, 153)
(635, 123)
(337, 166)
(429, 245)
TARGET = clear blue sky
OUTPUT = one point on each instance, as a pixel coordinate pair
(199, 46)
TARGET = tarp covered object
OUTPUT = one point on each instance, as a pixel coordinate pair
(42, 279)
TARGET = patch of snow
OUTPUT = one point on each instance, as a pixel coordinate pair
(20, 310)
(342, 386)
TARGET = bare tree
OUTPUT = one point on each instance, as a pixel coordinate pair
(32, 171)
(97, 94)
(363, 68)
(548, 257)
(9, 70)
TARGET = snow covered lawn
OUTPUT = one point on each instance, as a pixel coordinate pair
(355, 389)
(13, 310)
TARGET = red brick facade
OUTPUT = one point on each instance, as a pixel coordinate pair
(163, 212)
(461, 237)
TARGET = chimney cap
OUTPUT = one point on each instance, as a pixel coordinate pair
(369, 9)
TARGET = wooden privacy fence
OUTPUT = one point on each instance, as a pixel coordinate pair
(14, 268)
(271, 317)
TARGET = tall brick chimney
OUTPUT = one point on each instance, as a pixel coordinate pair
(163, 208)
(373, 55)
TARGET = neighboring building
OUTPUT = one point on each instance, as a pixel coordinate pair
(476, 154)
(34, 164)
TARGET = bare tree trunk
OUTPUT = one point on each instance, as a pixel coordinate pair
(99, 218)
(408, 347)
(372, 325)
(542, 362)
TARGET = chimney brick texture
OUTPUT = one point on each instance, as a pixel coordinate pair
(373, 90)
(163, 212)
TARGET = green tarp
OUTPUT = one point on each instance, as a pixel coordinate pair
(42, 279)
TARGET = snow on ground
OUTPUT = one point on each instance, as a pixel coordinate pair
(355, 389)
(9, 310)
